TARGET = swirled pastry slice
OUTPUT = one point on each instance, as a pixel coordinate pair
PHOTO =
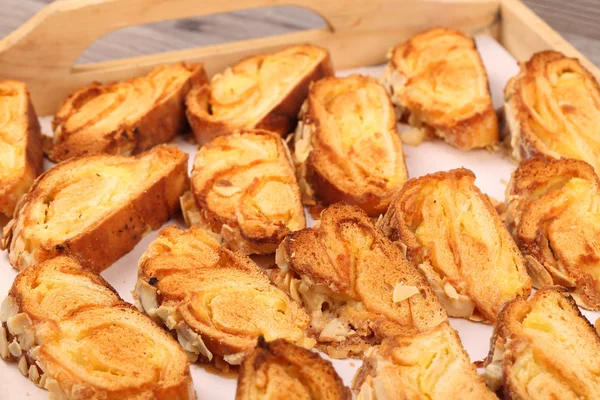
(346, 146)
(96, 208)
(428, 365)
(355, 283)
(244, 189)
(553, 110)
(262, 92)
(126, 117)
(281, 370)
(439, 85)
(543, 348)
(454, 235)
(553, 211)
(216, 301)
(21, 156)
(71, 334)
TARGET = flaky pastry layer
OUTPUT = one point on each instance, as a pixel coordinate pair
(216, 301)
(96, 208)
(553, 211)
(439, 84)
(543, 348)
(279, 369)
(346, 146)
(21, 155)
(260, 92)
(244, 189)
(428, 365)
(126, 117)
(70, 333)
(552, 110)
(456, 238)
(355, 283)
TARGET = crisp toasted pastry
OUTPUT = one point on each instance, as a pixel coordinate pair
(355, 283)
(96, 208)
(281, 370)
(439, 85)
(553, 212)
(216, 301)
(543, 348)
(346, 146)
(262, 92)
(454, 235)
(552, 110)
(428, 365)
(71, 333)
(244, 189)
(126, 117)
(21, 158)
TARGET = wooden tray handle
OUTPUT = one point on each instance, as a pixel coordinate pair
(44, 50)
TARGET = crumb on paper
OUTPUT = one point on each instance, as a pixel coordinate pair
(503, 181)
(352, 364)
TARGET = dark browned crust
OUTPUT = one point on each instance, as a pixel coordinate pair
(160, 124)
(306, 247)
(506, 332)
(261, 243)
(529, 145)
(118, 232)
(458, 133)
(326, 187)
(316, 373)
(532, 179)
(34, 158)
(282, 119)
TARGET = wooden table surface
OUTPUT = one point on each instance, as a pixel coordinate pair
(577, 20)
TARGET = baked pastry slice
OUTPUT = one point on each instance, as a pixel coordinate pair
(280, 370)
(552, 110)
(543, 348)
(427, 365)
(126, 117)
(21, 158)
(262, 92)
(553, 211)
(355, 283)
(96, 208)
(346, 146)
(454, 235)
(244, 189)
(70, 333)
(438, 83)
(216, 301)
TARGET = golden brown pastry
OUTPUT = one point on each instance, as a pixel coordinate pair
(21, 158)
(427, 365)
(70, 333)
(244, 190)
(553, 211)
(96, 208)
(126, 117)
(452, 232)
(438, 83)
(281, 370)
(355, 283)
(543, 348)
(346, 146)
(216, 301)
(553, 110)
(260, 92)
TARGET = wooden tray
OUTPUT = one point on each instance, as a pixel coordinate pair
(43, 51)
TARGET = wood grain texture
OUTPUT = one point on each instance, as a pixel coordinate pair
(577, 20)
